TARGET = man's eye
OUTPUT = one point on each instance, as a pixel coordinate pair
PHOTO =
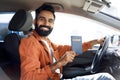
(51, 21)
(41, 19)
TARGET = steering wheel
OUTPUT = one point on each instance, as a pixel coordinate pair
(99, 55)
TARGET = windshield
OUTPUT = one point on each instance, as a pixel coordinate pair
(67, 25)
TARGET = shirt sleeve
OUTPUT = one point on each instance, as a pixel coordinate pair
(61, 49)
(86, 46)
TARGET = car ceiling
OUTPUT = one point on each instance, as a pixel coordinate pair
(66, 6)
(13, 5)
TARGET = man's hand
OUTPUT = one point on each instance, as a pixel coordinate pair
(97, 41)
(100, 41)
(67, 57)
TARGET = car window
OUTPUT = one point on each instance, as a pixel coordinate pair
(4, 20)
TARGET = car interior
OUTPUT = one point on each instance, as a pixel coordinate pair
(22, 21)
(104, 59)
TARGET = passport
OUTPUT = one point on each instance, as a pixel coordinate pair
(76, 43)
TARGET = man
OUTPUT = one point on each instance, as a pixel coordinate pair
(41, 59)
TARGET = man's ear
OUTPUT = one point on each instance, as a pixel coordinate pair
(35, 21)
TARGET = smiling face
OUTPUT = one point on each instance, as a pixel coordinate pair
(45, 18)
(44, 23)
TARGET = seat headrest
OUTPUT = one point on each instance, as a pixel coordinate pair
(21, 21)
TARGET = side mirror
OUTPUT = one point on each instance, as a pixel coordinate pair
(115, 40)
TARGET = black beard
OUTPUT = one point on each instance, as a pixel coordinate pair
(42, 32)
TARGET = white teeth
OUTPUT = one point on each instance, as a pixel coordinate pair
(43, 28)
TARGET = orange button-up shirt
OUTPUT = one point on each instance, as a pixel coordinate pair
(35, 57)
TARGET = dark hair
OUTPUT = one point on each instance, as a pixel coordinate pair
(47, 7)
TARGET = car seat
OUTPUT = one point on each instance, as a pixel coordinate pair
(21, 21)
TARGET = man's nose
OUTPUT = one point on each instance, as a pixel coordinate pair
(46, 23)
